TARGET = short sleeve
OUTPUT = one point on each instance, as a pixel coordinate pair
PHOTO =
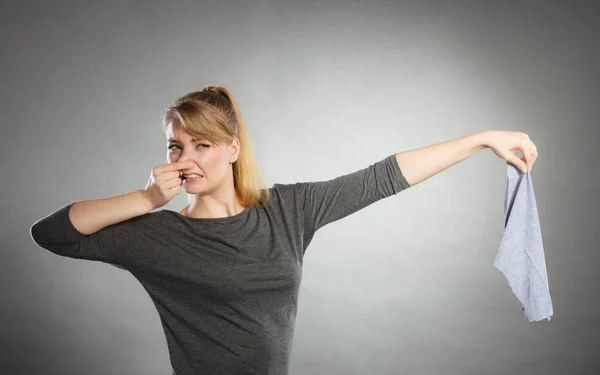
(57, 234)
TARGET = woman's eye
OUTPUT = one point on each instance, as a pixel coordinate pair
(199, 144)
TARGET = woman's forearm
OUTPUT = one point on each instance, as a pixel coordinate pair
(422, 163)
(90, 216)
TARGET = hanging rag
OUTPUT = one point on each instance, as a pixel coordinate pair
(521, 254)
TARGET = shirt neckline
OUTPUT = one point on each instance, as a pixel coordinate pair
(210, 220)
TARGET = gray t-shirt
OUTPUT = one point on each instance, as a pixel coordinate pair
(226, 289)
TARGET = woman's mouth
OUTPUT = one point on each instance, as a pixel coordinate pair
(192, 179)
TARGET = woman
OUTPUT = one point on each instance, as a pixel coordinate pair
(224, 272)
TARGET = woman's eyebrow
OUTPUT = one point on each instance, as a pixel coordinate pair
(175, 140)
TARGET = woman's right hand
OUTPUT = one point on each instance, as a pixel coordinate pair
(165, 183)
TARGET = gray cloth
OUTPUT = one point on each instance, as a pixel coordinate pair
(226, 289)
(521, 254)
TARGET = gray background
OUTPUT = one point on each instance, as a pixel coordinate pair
(326, 88)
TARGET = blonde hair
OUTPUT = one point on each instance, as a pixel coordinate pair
(213, 114)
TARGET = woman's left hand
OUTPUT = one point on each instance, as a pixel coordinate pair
(505, 144)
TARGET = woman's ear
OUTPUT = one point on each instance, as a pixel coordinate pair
(235, 145)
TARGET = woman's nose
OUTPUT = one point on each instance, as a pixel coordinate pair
(185, 156)
(186, 160)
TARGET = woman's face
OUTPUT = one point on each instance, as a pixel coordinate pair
(210, 161)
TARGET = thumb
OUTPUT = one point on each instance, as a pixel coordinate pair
(519, 163)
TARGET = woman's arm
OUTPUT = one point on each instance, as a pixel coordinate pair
(96, 229)
(90, 216)
(419, 164)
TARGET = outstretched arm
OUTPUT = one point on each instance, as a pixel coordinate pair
(419, 164)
